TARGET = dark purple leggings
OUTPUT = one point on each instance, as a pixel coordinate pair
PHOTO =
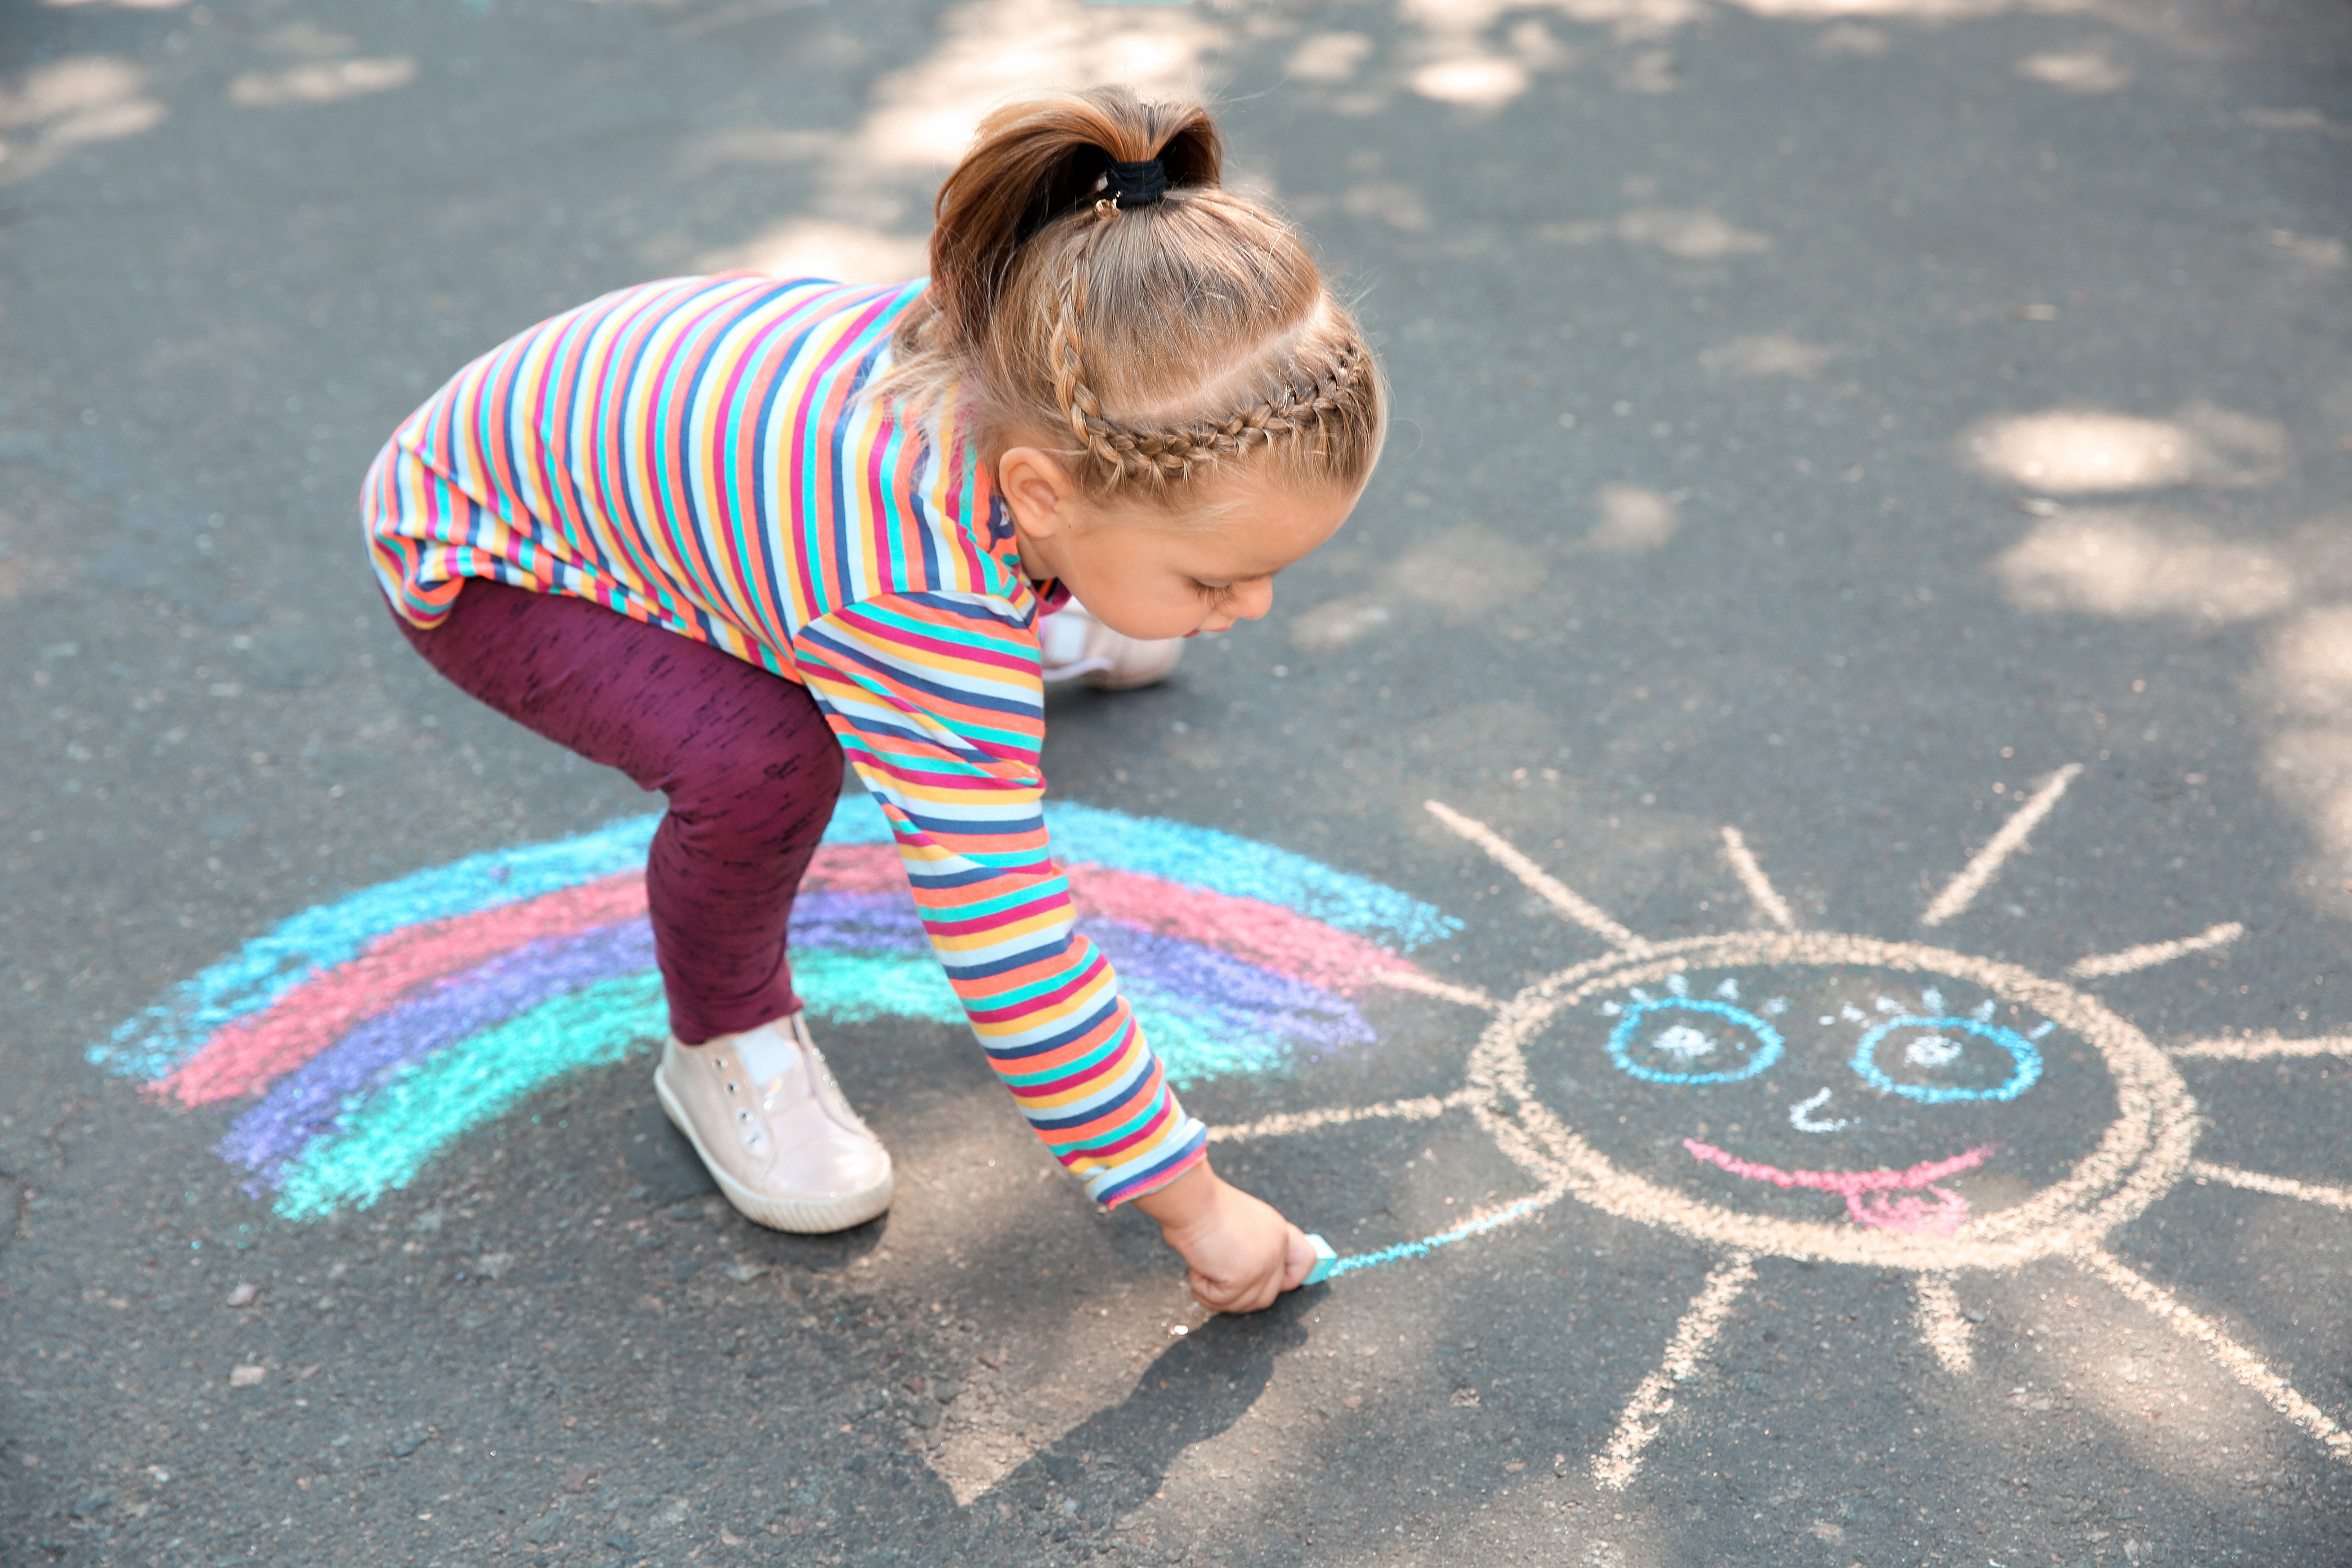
(750, 766)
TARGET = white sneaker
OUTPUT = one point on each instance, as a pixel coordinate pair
(763, 1112)
(1078, 646)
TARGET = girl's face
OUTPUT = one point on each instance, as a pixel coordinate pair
(1148, 579)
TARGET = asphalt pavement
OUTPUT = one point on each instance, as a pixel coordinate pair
(1863, 569)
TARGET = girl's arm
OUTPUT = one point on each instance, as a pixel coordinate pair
(937, 702)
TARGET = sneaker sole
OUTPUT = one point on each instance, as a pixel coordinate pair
(801, 1216)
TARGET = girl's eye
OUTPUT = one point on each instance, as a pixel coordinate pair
(1214, 594)
(1939, 1060)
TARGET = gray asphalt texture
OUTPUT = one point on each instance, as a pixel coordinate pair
(1825, 420)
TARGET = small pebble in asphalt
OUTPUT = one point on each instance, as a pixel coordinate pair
(691, 1209)
(243, 1296)
(683, 1269)
(644, 1238)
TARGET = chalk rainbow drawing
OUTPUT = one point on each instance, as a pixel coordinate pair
(360, 1037)
(1971, 1114)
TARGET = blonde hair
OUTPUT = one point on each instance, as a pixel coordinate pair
(1149, 346)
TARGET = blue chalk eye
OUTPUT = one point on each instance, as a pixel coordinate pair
(1938, 1061)
(1684, 1039)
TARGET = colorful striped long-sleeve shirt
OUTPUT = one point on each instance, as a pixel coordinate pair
(699, 454)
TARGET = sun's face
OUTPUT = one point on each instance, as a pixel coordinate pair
(1820, 1095)
(1826, 1097)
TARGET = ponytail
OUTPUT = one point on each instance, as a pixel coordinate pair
(1035, 161)
(1146, 343)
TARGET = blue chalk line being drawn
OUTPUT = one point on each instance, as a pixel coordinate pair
(1478, 1225)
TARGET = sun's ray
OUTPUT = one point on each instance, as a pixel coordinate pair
(1428, 985)
(2147, 955)
(1752, 877)
(1979, 873)
(1941, 1327)
(1638, 1426)
(2263, 1048)
(2276, 1186)
(1572, 905)
(1427, 1108)
(2234, 1358)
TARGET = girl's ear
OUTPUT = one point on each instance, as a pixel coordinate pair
(1038, 491)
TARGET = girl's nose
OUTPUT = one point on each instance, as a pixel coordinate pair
(1253, 600)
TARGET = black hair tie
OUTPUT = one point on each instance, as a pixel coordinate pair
(1136, 184)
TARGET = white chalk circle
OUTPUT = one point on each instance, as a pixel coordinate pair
(2132, 1162)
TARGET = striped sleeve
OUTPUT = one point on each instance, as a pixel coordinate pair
(937, 702)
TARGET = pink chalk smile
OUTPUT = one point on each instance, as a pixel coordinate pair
(1865, 1192)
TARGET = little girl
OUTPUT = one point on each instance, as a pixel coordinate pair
(723, 533)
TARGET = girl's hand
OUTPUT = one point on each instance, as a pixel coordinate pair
(1242, 1254)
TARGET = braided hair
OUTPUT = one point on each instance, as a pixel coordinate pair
(1151, 343)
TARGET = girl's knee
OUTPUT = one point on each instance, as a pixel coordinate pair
(757, 800)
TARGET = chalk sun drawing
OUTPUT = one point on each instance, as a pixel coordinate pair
(1829, 1097)
(359, 1039)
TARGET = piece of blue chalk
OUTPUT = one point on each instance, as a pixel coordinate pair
(1326, 1260)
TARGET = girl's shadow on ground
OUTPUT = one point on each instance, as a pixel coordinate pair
(1115, 1461)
